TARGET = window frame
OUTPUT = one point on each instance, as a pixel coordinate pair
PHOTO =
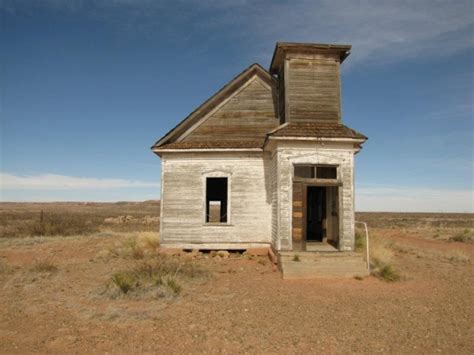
(315, 168)
(216, 174)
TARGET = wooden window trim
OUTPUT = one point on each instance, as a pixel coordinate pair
(318, 182)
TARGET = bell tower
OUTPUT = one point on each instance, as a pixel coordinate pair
(309, 81)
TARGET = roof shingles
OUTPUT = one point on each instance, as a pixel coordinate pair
(213, 145)
(295, 130)
(316, 130)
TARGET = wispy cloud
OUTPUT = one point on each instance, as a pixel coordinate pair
(408, 199)
(380, 31)
(62, 182)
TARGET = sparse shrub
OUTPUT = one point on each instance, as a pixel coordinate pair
(359, 240)
(463, 237)
(125, 281)
(296, 257)
(381, 255)
(388, 273)
(458, 256)
(173, 285)
(136, 247)
(5, 268)
(149, 240)
(159, 275)
(44, 266)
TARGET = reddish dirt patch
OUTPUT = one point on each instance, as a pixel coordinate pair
(245, 306)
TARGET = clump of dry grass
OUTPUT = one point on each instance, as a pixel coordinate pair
(158, 277)
(457, 256)
(43, 266)
(136, 246)
(359, 240)
(381, 260)
(5, 268)
(465, 237)
(388, 273)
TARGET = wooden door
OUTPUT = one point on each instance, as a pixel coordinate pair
(298, 217)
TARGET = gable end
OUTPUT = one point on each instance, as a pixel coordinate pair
(253, 73)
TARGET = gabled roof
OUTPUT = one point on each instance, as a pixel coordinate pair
(221, 95)
(316, 130)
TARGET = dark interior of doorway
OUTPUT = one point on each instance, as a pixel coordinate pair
(316, 213)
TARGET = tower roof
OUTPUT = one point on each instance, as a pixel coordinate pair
(340, 50)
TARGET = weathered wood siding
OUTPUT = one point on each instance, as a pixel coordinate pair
(290, 153)
(247, 116)
(313, 90)
(183, 202)
(298, 216)
(274, 188)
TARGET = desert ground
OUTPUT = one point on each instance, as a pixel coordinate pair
(89, 277)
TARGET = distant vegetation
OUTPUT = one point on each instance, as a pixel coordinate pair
(67, 219)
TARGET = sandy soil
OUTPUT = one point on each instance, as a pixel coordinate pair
(244, 307)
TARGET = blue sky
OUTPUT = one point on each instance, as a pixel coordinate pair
(88, 86)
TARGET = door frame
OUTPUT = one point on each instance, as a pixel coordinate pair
(305, 184)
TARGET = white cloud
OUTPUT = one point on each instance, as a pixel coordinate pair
(62, 182)
(379, 31)
(410, 199)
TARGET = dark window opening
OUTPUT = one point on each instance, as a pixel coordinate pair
(304, 171)
(315, 171)
(216, 200)
(326, 172)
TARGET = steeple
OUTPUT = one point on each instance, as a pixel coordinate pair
(309, 81)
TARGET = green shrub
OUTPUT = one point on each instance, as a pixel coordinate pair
(159, 274)
(359, 240)
(173, 285)
(296, 258)
(387, 273)
(125, 281)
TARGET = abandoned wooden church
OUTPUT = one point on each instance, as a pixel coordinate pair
(266, 161)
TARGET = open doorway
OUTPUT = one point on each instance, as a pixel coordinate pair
(322, 223)
(315, 207)
(316, 213)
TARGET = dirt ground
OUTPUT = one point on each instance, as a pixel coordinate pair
(244, 306)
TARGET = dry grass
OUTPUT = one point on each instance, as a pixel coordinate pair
(453, 256)
(68, 219)
(160, 276)
(442, 221)
(43, 266)
(133, 246)
(381, 257)
(466, 236)
(5, 268)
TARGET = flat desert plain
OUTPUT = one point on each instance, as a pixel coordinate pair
(89, 277)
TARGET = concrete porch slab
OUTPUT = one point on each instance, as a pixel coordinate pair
(313, 265)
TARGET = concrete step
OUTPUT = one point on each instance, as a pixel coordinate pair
(309, 265)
